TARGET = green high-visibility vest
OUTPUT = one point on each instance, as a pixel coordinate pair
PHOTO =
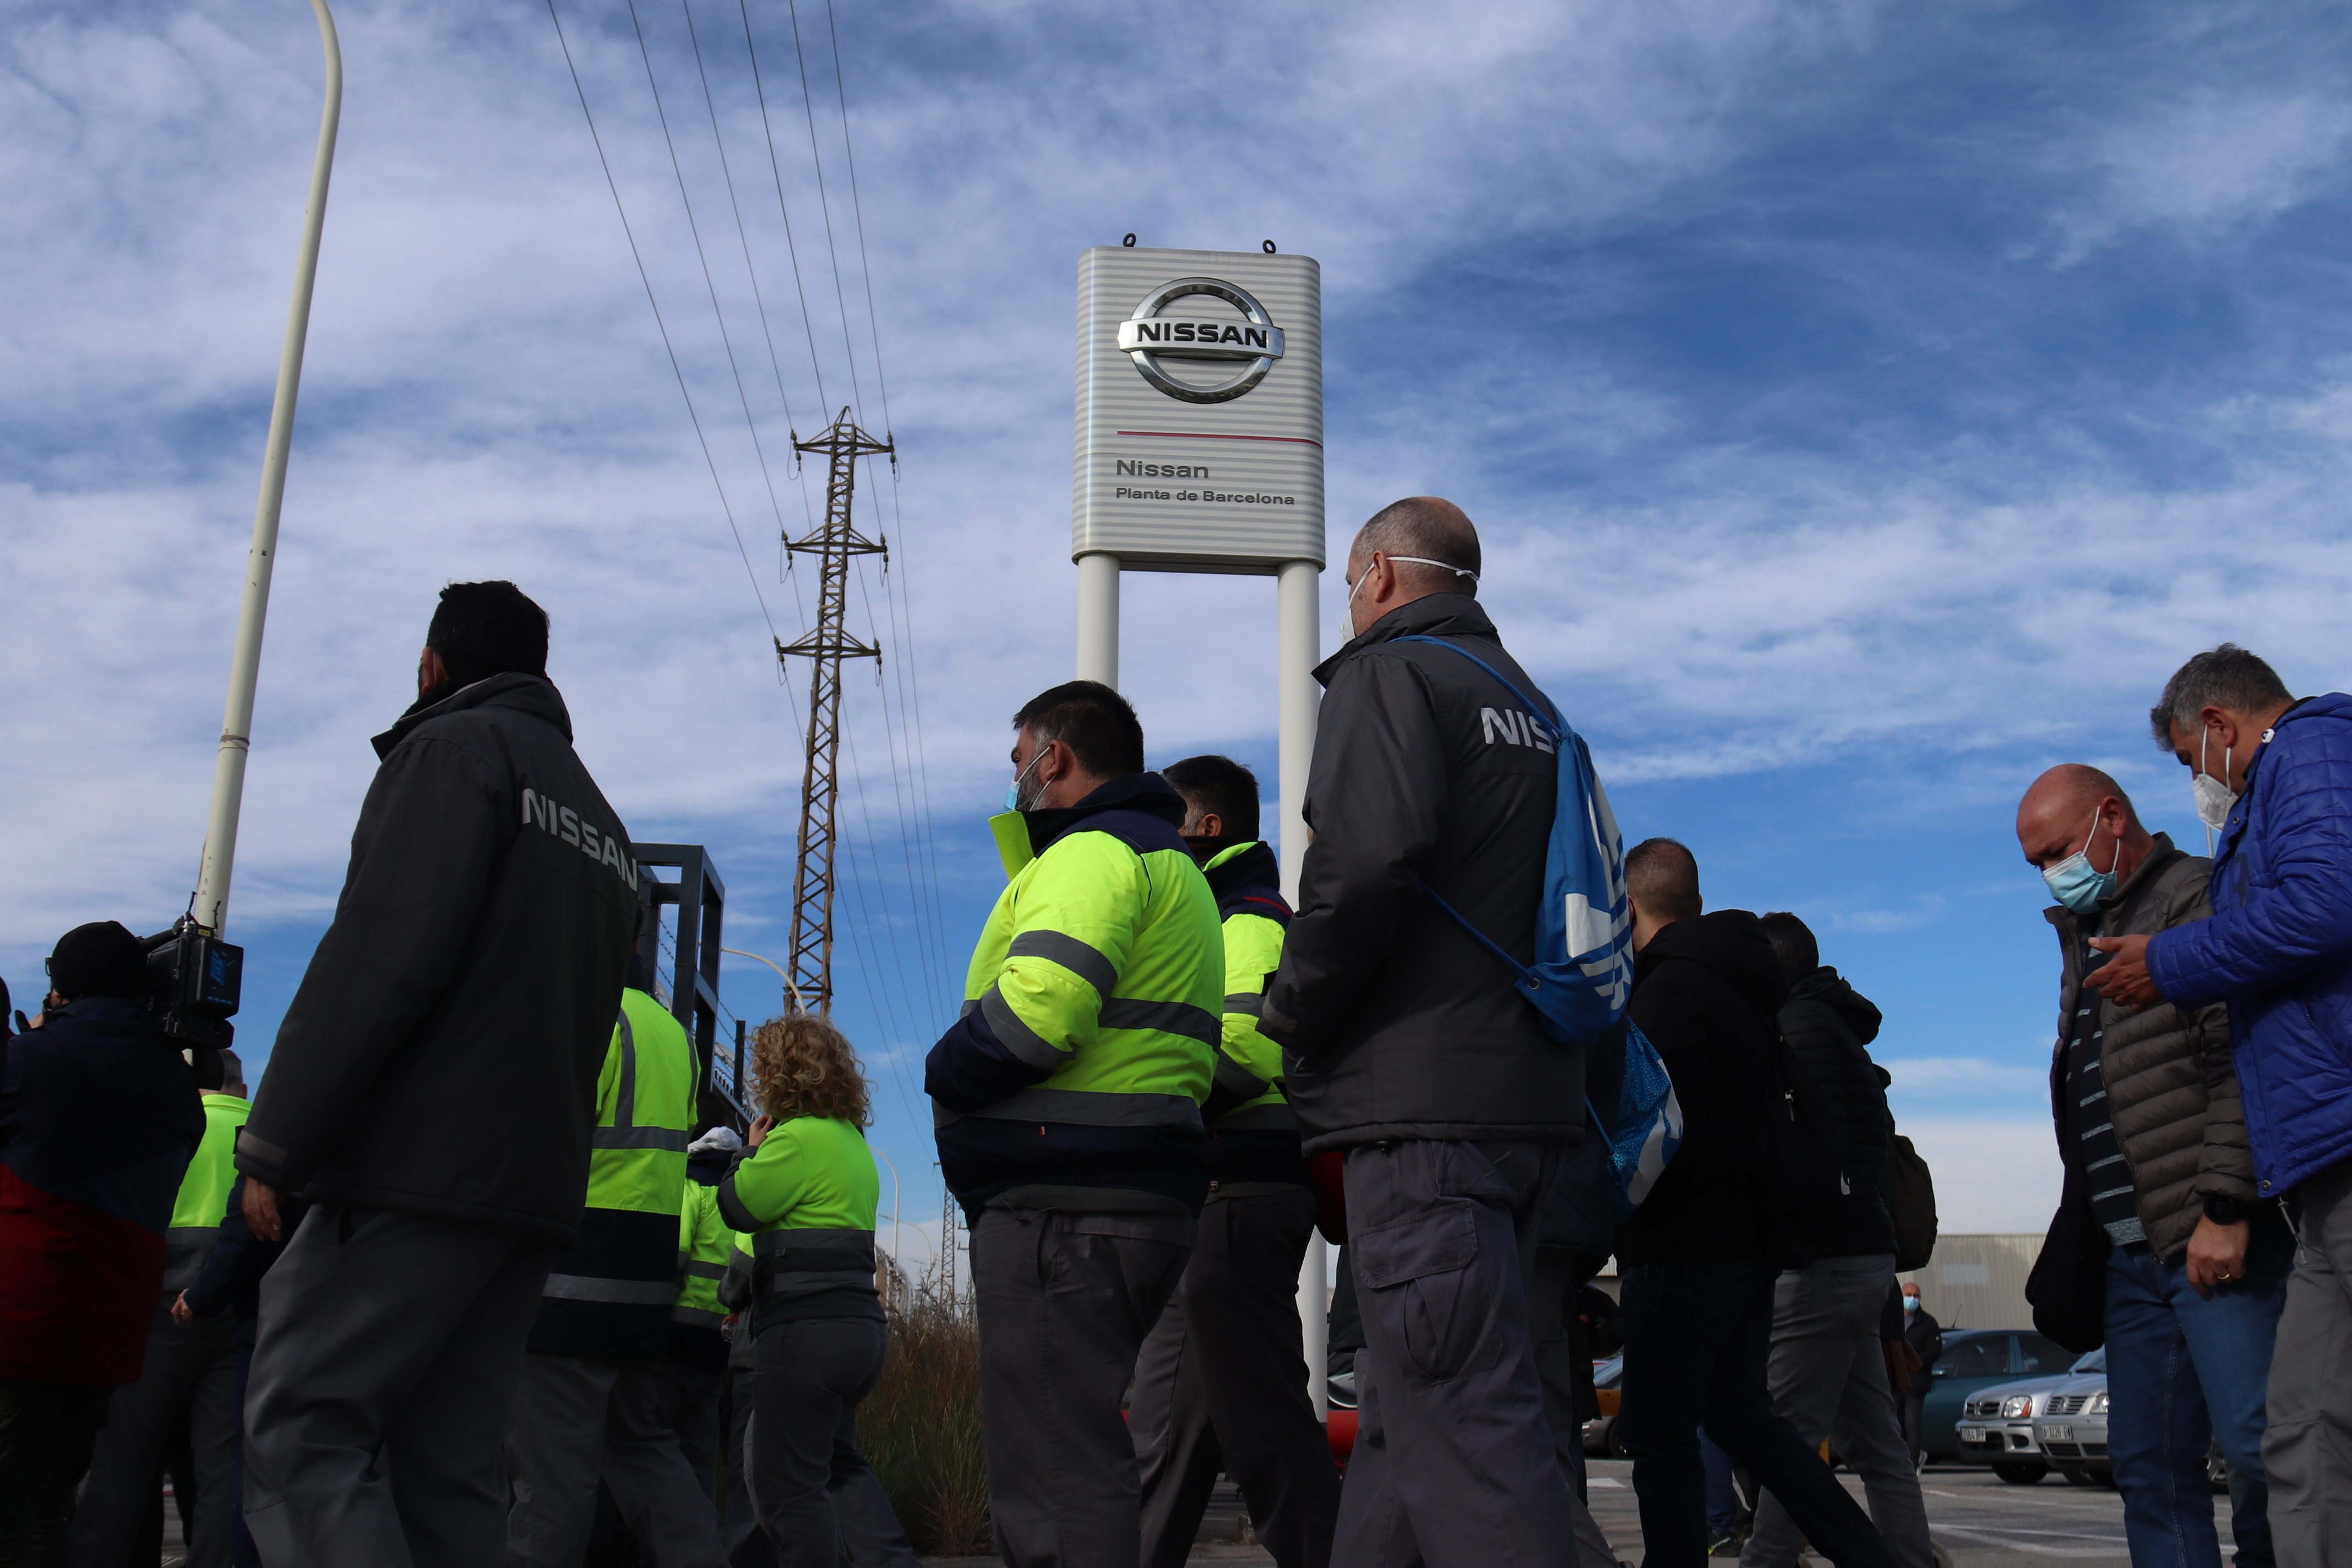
(644, 1104)
(704, 1244)
(202, 1203)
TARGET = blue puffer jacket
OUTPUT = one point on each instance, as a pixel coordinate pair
(2279, 947)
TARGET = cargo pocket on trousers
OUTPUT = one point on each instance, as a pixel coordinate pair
(1419, 1268)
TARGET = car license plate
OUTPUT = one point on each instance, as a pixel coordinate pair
(2058, 1433)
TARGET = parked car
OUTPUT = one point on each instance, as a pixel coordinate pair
(1997, 1423)
(1601, 1432)
(1973, 1360)
(2072, 1426)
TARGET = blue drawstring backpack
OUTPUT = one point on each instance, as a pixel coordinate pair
(1583, 969)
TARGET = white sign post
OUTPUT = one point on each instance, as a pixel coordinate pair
(1200, 448)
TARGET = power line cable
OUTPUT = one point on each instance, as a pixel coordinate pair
(726, 341)
(824, 204)
(808, 324)
(857, 208)
(743, 238)
(663, 327)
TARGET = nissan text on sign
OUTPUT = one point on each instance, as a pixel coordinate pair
(1200, 410)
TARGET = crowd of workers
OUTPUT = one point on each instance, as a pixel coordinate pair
(352, 1345)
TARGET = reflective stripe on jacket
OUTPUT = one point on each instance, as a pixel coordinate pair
(1093, 1009)
(807, 1198)
(704, 1245)
(610, 1293)
(204, 1193)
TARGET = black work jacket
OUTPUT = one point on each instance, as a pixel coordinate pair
(1707, 991)
(441, 1054)
(1829, 1026)
(1394, 1022)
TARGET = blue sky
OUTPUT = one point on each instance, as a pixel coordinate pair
(1863, 406)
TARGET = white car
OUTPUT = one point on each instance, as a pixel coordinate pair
(2071, 1427)
(1998, 1424)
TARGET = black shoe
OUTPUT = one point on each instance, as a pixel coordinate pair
(1728, 1546)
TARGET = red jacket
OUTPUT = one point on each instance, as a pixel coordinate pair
(98, 1116)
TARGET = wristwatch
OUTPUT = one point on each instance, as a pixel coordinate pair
(2223, 1209)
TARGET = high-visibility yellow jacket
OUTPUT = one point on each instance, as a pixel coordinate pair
(805, 1197)
(704, 1241)
(611, 1294)
(1092, 1008)
(1252, 1135)
(202, 1203)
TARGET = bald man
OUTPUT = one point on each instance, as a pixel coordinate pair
(2153, 1138)
(1406, 1046)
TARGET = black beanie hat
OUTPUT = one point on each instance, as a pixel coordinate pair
(100, 959)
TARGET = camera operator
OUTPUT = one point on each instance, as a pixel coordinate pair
(98, 1115)
(432, 1090)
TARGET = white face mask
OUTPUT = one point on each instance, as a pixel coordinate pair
(2214, 796)
(1356, 586)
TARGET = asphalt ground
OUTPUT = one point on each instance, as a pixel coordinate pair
(1977, 1519)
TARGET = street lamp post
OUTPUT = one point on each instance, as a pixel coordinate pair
(211, 902)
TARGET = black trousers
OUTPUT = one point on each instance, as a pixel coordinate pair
(817, 1498)
(1698, 1343)
(47, 1432)
(1221, 1384)
(186, 1394)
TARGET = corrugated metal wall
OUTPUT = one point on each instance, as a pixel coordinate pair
(1978, 1281)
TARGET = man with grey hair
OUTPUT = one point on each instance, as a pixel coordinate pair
(1407, 1047)
(2152, 1139)
(2273, 780)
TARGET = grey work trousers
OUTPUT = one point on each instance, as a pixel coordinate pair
(1455, 1461)
(1221, 1384)
(2308, 1447)
(819, 1501)
(584, 1418)
(383, 1380)
(1829, 1380)
(1552, 1284)
(186, 1389)
(1064, 1300)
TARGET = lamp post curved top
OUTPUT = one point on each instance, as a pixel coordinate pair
(210, 905)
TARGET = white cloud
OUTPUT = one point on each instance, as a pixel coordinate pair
(1960, 1076)
(1996, 1174)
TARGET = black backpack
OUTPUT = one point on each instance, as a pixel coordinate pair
(1800, 1142)
(1909, 1190)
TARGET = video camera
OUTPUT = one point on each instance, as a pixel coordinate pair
(193, 982)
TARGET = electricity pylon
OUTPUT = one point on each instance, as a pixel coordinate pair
(836, 539)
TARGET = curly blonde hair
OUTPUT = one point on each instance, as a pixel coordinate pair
(803, 1065)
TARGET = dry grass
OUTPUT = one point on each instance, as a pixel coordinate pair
(920, 1426)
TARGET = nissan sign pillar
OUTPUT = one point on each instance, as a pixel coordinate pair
(1200, 448)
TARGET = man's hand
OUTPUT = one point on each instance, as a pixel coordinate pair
(261, 1211)
(2124, 979)
(181, 1313)
(760, 1130)
(1901, 1364)
(2217, 1254)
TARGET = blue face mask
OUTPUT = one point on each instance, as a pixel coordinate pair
(1012, 790)
(2074, 884)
